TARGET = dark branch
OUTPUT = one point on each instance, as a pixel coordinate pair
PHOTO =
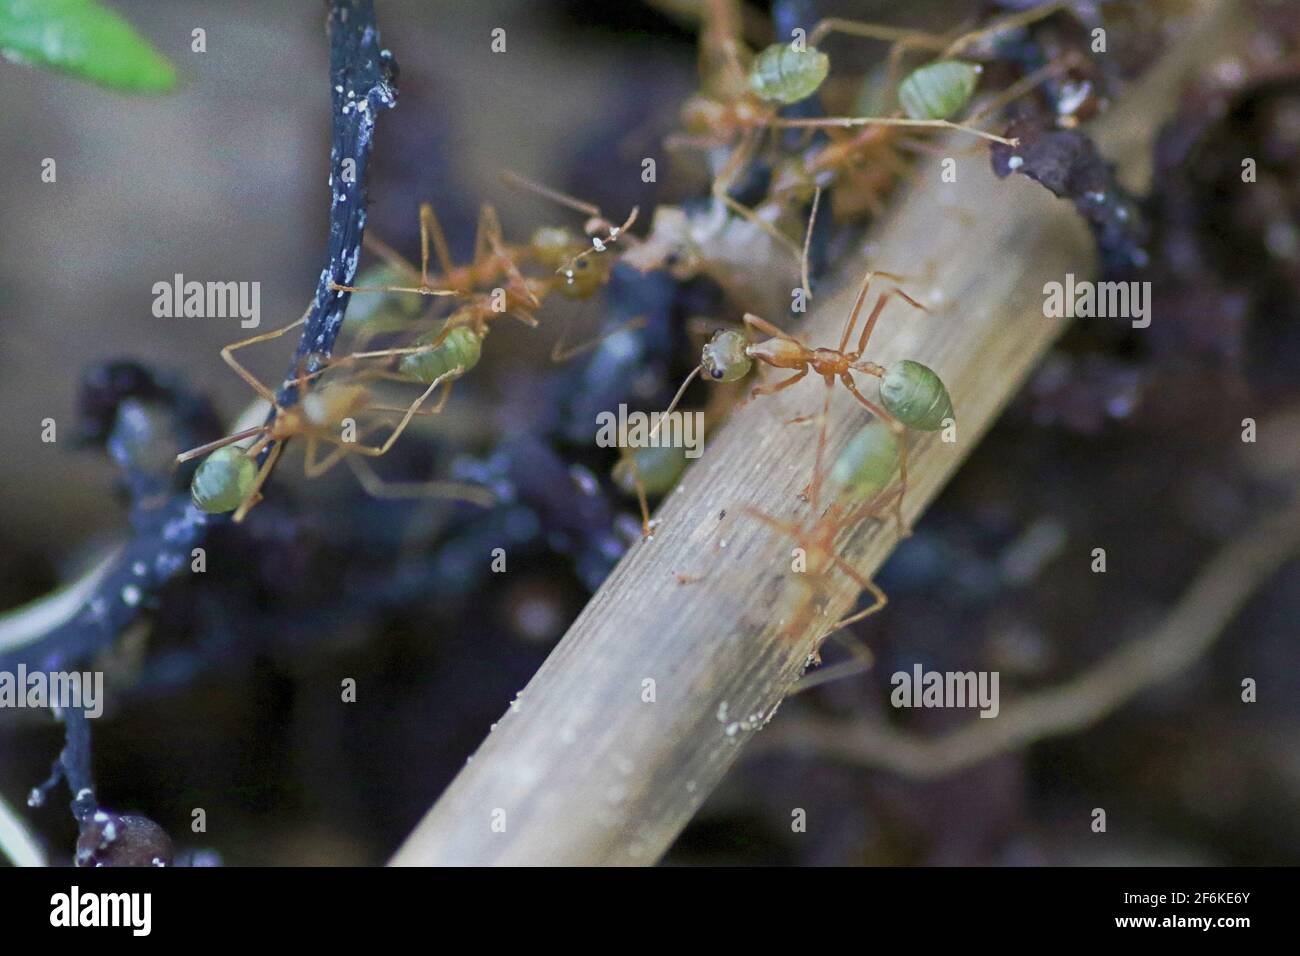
(166, 526)
(362, 76)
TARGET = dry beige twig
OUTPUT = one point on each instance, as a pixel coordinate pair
(585, 768)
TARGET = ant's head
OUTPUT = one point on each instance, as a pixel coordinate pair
(724, 358)
(584, 276)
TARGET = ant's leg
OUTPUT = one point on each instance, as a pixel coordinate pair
(1010, 22)
(212, 446)
(723, 181)
(313, 467)
(866, 584)
(1026, 84)
(414, 289)
(875, 314)
(721, 38)
(377, 487)
(487, 232)
(873, 31)
(785, 527)
(228, 357)
(517, 313)
(807, 242)
(952, 49)
(390, 255)
(767, 328)
(401, 409)
(490, 241)
(845, 122)
(903, 40)
(737, 161)
(923, 148)
(441, 403)
(559, 353)
(857, 309)
(900, 40)
(358, 358)
(255, 493)
(435, 409)
(779, 386)
(676, 141)
(894, 62)
(382, 449)
(863, 660)
(564, 199)
(816, 485)
(894, 424)
(431, 229)
(740, 209)
(646, 526)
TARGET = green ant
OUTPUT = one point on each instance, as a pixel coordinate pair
(742, 94)
(229, 479)
(911, 395)
(859, 479)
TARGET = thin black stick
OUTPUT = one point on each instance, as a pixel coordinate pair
(362, 82)
(166, 527)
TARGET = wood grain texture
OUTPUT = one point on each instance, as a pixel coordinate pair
(584, 770)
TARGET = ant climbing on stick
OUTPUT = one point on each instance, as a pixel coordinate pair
(860, 479)
(575, 273)
(742, 93)
(911, 394)
(230, 479)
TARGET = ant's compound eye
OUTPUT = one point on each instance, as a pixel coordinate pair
(716, 373)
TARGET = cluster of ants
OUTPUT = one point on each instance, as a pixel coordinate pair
(736, 118)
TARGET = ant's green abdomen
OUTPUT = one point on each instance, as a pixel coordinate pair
(915, 395)
(867, 464)
(782, 74)
(937, 91)
(658, 467)
(459, 351)
(223, 480)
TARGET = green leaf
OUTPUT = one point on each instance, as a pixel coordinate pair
(84, 38)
